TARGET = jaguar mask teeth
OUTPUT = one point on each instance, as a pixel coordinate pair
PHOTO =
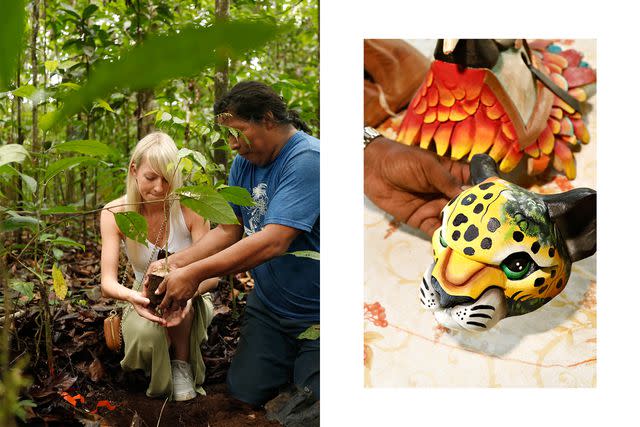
(479, 315)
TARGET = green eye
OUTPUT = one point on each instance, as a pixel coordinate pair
(442, 242)
(518, 266)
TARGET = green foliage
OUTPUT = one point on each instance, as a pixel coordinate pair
(132, 225)
(23, 288)
(11, 383)
(311, 333)
(11, 33)
(184, 53)
(11, 153)
(89, 147)
(236, 195)
(305, 254)
(65, 164)
(16, 222)
(207, 202)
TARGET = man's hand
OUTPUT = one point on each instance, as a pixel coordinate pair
(139, 301)
(178, 287)
(410, 183)
(175, 317)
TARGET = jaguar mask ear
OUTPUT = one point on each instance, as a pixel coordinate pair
(482, 167)
(574, 214)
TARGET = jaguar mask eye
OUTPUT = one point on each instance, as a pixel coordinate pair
(518, 266)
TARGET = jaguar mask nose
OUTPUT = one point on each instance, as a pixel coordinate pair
(447, 300)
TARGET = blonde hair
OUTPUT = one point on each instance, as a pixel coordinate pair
(161, 153)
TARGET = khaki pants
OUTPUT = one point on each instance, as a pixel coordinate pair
(146, 347)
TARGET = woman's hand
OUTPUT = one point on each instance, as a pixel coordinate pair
(139, 301)
(161, 264)
(175, 317)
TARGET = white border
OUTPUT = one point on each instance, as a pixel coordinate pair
(344, 25)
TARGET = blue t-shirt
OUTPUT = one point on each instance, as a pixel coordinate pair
(286, 192)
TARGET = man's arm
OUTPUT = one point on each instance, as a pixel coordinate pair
(273, 240)
(214, 241)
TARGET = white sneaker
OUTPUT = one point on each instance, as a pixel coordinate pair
(183, 386)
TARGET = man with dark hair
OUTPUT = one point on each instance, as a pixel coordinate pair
(279, 165)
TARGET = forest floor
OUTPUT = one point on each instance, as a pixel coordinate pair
(88, 386)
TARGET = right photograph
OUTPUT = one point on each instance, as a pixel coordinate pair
(480, 213)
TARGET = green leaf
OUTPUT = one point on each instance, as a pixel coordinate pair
(47, 120)
(65, 164)
(12, 153)
(51, 66)
(25, 91)
(133, 225)
(16, 222)
(65, 241)
(70, 11)
(11, 40)
(31, 183)
(305, 254)
(208, 203)
(150, 113)
(90, 147)
(191, 50)
(67, 64)
(57, 253)
(23, 288)
(104, 104)
(312, 333)
(236, 195)
(197, 156)
(74, 86)
(88, 11)
(59, 210)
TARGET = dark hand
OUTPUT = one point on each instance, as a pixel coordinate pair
(410, 183)
(175, 317)
(178, 287)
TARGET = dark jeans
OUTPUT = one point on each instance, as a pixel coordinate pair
(270, 356)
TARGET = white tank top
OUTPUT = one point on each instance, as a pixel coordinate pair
(179, 238)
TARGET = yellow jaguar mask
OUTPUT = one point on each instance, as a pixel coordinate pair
(504, 251)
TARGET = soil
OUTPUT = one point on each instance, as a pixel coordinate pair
(217, 408)
(87, 376)
(154, 281)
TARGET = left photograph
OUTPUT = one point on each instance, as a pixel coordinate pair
(160, 213)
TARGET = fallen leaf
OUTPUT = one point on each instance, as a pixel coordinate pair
(59, 284)
(223, 309)
(96, 370)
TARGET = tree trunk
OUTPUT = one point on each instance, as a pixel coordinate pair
(144, 100)
(37, 148)
(35, 145)
(20, 140)
(221, 78)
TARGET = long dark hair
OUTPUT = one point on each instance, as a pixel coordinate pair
(252, 100)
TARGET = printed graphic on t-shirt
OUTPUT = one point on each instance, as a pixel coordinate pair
(259, 210)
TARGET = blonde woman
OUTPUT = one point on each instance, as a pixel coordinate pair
(166, 349)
